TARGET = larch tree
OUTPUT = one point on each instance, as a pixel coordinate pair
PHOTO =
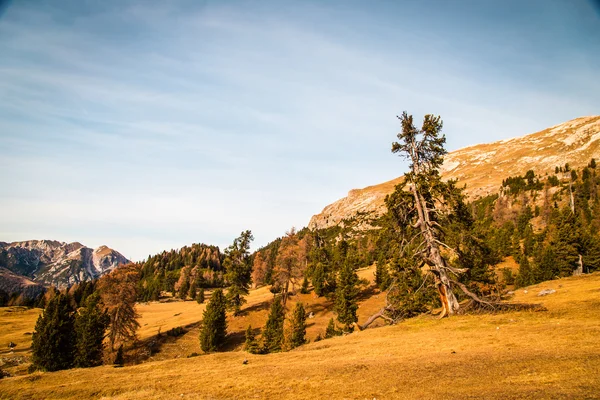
(259, 269)
(290, 263)
(238, 267)
(118, 291)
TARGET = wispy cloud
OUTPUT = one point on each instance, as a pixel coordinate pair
(124, 123)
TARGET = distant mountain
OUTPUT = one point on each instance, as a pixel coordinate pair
(11, 283)
(49, 262)
(483, 167)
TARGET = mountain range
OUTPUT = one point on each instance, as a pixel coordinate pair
(54, 263)
(482, 168)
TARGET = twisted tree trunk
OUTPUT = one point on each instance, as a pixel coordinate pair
(434, 260)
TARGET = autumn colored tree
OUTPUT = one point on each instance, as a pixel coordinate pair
(259, 270)
(290, 264)
(118, 291)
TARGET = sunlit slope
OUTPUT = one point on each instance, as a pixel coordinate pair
(482, 167)
(552, 354)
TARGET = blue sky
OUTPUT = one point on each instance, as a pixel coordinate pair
(151, 125)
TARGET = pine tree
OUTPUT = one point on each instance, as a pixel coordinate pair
(331, 330)
(214, 323)
(184, 289)
(298, 327)
(273, 334)
(251, 344)
(238, 264)
(345, 296)
(200, 296)
(318, 280)
(119, 358)
(193, 289)
(90, 327)
(525, 276)
(304, 288)
(53, 343)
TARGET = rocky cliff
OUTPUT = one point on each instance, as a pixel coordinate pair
(49, 262)
(483, 167)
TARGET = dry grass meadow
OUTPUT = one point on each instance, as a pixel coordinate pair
(551, 354)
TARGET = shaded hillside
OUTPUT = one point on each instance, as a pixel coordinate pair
(483, 167)
(12, 285)
(49, 262)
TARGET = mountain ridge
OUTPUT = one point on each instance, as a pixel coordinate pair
(482, 167)
(61, 264)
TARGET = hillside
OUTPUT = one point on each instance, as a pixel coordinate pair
(13, 283)
(483, 167)
(50, 262)
(551, 354)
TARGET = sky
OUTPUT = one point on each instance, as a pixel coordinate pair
(150, 125)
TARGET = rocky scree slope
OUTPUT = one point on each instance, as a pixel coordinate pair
(49, 262)
(483, 167)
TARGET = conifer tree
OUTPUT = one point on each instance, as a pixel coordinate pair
(304, 288)
(214, 323)
(53, 343)
(200, 296)
(525, 276)
(298, 326)
(90, 327)
(251, 344)
(345, 296)
(318, 280)
(119, 358)
(238, 266)
(193, 289)
(331, 330)
(273, 334)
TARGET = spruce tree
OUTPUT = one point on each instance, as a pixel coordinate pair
(119, 358)
(53, 343)
(331, 330)
(251, 344)
(525, 276)
(304, 288)
(273, 334)
(90, 327)
(345, 296)
(318, 279)
(298, 326)
(200, 296)
(214, 323)
(238, 267)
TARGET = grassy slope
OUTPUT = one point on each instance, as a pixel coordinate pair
(553, 354)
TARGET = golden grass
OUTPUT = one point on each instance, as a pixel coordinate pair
(553, 354)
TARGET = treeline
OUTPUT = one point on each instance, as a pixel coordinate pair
(181, 272)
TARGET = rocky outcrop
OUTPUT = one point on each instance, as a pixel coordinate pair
(483, 167)
(49, 262)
